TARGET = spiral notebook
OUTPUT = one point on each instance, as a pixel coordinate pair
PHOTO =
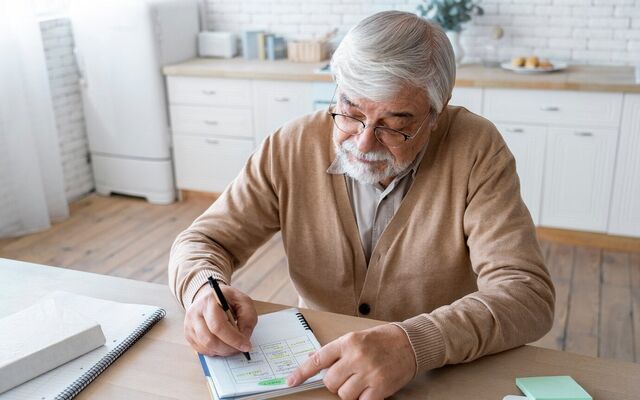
(281, 341)
(122, 325)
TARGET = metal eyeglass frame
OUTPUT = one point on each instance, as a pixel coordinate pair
(407, 137)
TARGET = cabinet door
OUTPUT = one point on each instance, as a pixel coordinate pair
(212, 121)
(196, 91)
(625, 207)
(276, 102)
(527, 143)
(555, 107)
(208, 164)
(469, 98)
(578, 178)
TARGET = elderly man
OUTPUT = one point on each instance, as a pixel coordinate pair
(393, 206)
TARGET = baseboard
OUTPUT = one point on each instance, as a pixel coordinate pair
(579, 238)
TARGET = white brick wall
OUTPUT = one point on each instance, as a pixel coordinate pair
(579, 31)
(67, 103)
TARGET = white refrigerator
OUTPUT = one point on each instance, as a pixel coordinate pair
(121, 47)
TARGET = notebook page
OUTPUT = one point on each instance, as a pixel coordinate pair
(118, 321)
(280, 343)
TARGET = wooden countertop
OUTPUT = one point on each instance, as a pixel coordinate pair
(575, 77)
(163, 366)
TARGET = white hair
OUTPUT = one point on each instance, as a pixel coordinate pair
(389, 50)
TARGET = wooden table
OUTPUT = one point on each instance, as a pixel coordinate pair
(162, 366)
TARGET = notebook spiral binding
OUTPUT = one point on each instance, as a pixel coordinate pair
(303, 321)
(76, 387)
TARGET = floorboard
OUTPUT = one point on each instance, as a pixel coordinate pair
(616, 335)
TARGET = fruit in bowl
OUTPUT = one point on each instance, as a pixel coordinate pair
(531, 62)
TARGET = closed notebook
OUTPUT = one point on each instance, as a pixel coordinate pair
(552, 388)
(122, 325)
(42, 337)
(281, 341)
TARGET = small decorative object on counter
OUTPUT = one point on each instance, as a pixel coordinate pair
(313, 50)
(217, 44)
(451, 15)
(250, 44)
(491, 57)
(260, 45)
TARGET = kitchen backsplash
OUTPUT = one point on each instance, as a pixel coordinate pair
(580, 31)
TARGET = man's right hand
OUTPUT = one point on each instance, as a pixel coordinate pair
(206, 326)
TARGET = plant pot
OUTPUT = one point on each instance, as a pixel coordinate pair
(458, 51)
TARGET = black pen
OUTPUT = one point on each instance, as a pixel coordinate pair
(225, 307)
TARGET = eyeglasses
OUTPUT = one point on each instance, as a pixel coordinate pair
(387, 136)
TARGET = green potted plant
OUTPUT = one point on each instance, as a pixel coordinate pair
(451, 15)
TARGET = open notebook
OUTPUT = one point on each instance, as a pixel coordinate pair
(281, 341)
(122, 325)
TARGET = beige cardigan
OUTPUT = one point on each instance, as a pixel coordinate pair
(459, 266)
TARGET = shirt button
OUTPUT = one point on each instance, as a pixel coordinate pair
(364, 309)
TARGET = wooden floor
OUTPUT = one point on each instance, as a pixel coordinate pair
(598, 291)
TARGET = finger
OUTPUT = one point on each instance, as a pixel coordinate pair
(323, 358)
(352, 388)
(246, 313)
(219, 325)
(337, 375)
(371, 394)
(206, 343)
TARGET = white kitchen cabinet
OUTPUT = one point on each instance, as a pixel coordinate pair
(209, 91)
(578, 178)
(553, 107)
(625, 204)
(469, 98)
(207, 164)
(276, 102)
(212, 130)
(527, 143)
(212, 121)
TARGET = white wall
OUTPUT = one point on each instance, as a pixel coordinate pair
(67, 103)
(582, 31)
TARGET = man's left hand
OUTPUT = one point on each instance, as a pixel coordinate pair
(366, 365)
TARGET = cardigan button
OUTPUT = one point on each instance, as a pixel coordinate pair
(364, 309)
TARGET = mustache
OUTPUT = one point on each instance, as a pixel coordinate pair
(348, 146)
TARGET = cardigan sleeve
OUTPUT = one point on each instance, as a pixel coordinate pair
(514, 302)
(221, 240)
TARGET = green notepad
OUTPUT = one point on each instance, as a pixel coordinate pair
(552, 388)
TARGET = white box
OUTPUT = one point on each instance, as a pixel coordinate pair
(217, 44)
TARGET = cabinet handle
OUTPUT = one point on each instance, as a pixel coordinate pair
(549, 108)
(515, 130)
(212, 141)
(282, 99)
(584, 134)
(209, 92)
(211, 122)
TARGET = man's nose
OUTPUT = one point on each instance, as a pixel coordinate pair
(366, 141)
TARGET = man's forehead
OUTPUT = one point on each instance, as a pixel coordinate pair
(397, 105)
